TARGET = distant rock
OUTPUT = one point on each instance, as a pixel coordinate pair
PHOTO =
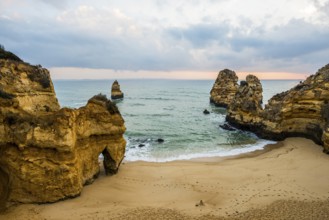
(206, 112)
(224, 88)
(115, 91)
(160, 140)
(141, 145)
(47, 153)
(227, 127)
(302, 111)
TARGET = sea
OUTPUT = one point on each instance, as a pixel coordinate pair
(171, 110)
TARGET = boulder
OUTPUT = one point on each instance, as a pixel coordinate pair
(115, 91)
(206, 112)
(301, 111)
(224, 88)
(48, 154)
(160, 140)
(227, 127)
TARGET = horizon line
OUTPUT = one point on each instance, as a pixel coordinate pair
(67, 73)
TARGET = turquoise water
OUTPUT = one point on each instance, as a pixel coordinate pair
(173, 111)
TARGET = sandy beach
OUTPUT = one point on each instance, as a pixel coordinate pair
(288, 180)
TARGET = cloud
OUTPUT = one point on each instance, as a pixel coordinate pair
(295, 41)
(60, 4)
(322, 7)
(153, 35)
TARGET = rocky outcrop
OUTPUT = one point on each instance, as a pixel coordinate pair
(224, 88)
(301, 111)
(247, 104)
(116, 92)
(47, 153)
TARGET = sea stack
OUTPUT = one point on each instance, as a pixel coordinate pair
(224, 88)
(116, 92)
(302, 111)
(247, 104)
(47, 153)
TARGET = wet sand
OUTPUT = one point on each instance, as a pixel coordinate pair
(288, 180)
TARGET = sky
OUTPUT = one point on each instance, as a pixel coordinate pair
(182, 39)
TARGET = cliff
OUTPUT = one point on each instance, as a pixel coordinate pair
(301, 111)
(247, 104)
(47, 153)
(115, 91)
(224, 88)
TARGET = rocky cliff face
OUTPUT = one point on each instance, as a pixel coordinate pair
(116, 92)
(247, 104)
(224, 88)
(47, 153)
(301, 111)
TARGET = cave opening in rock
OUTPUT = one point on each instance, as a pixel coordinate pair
(4, 189)
(109, 163)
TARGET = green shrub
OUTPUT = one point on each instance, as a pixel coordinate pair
(100, 97)
(40, 77)
(110, 106)
(6, 55)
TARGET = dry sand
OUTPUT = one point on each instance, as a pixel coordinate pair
(289, 180)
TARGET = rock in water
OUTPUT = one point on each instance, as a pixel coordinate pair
(47, 153)
(116, 92)
(227, 127)
(247, 103)
(224, 88)
(206, 112)
(301, 111)
(160, 140)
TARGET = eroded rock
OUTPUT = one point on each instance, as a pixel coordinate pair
(247, 104)
(49, 153)
(116, 92)
(301, 111)
(224, 88)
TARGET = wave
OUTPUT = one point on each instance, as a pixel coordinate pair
(137, 104)
(144, 156)
(159, 98)
(159, 115)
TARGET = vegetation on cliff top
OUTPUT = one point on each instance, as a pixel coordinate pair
(8, 55)
(111, 106)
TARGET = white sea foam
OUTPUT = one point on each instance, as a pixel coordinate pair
(142, 154)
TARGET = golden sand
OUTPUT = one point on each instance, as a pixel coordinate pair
(288, 180)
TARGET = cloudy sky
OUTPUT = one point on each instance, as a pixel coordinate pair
(168, 38)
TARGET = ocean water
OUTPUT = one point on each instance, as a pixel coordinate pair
(173, 111)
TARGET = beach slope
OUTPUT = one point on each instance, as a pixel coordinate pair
(288, 180)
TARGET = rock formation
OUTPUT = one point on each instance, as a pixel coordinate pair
(247, 103)
(47, 153)
(301, 111)
(224, 88)
(116, 92)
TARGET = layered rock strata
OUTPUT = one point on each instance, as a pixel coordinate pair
(115, 91)
(47, 153)
(301, 111)
(224, 88)
(247, 104)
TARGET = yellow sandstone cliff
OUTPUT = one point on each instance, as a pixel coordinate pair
(224, 88)
(301, 111)
(116, 92)
(47, 153)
